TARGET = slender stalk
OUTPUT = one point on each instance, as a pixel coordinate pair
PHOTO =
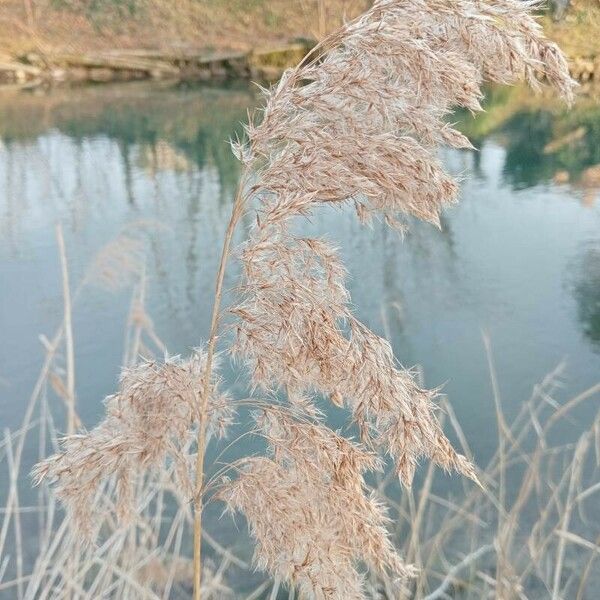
(70, 355)
(576, 468)
(236, 213)
(440, 592)
(275, 589)
(586, 572)
(322, 19)
(12, 506)
(71, 417)
(134, 350)
(503, 435)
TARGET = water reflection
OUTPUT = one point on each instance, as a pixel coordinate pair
(155, 158)
(544, 141)
(586, 289)
(167, 128)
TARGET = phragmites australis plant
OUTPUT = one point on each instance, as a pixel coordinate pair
(359, 121)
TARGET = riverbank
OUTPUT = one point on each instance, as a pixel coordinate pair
(116, 40)
(259, 64)
(112, 40)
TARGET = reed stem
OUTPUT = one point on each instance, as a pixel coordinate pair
(236, 213)
(70, 357)
(70, 353)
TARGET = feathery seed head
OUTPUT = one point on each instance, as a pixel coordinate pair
(150, 418)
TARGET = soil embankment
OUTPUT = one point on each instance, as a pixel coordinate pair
(115, 40)
(109, 40)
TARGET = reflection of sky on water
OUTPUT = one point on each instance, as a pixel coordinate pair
(517, 257)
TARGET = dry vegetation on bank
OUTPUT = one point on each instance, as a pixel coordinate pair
(578, 34)
(91, 25)
(107, 40)
(83, 25)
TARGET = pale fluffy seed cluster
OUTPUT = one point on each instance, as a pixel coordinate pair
(118, 263)
(362, 123)
(308, 508)
(150, 419)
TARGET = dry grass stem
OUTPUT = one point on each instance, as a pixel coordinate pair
(70, 388)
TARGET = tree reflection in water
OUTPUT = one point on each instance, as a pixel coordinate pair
(543, 140)
(586, 291)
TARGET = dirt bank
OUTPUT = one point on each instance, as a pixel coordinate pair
(108, 40)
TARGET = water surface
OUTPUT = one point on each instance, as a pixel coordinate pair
(517, 258)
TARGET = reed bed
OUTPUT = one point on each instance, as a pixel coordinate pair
(537, 537)
(358, 122)
(531, 531)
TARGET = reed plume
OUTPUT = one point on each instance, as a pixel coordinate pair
(150, 418)
(118, 263)
(361, 122)
(308, 508)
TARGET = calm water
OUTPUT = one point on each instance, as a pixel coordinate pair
(519, 257)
